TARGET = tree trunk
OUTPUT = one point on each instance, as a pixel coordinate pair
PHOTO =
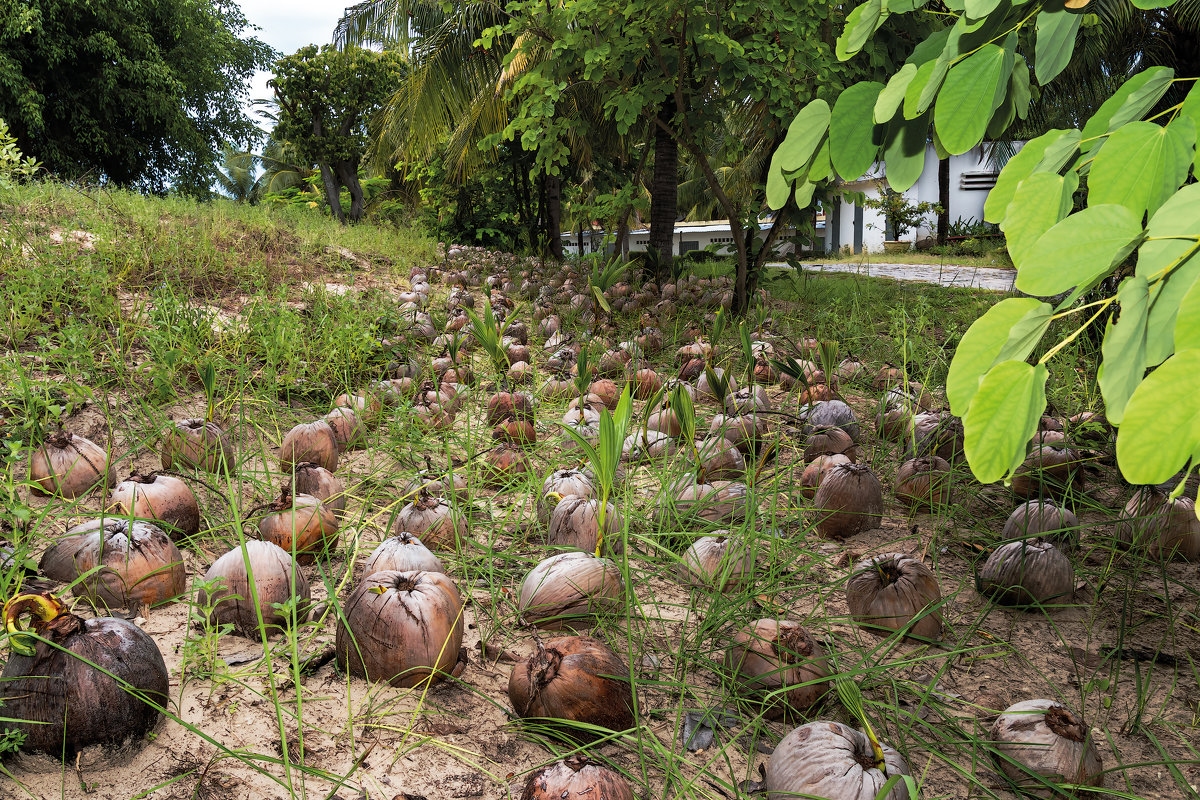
(664, 185)
(580, 238)
(347, 173)
(554, 215)
(333, 192)
(943, 217)
(621, 246)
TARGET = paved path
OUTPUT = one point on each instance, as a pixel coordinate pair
(993, 278)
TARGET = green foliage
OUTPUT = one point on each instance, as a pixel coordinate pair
(1135, 155)
(327, 98)
(141, 93)
(13, 166)
(902, 214)
(481, 210)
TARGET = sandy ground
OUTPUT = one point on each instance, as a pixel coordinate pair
(358, 740)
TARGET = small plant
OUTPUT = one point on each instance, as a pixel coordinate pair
(14, 167)
(605, 456)
(489, 332)
(902, 215)
(604, 278)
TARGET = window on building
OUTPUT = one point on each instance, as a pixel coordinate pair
(688, 245)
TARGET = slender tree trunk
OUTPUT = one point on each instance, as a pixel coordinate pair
(581, 238)
(664, 184)
(333, 192)
(347, 173)
(621, 247)
(554, 215)
(943, 217)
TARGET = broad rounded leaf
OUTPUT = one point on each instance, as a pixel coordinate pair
(1161, 427)
(1130, 103)
(861, 23)
(1078, 249)
(892, 96)
(1055, 42)
(1039, 203)
(820, 169)
(980, 8)
(778, 189)
(968, 98)
(916, 98)
(1162, 157)
(803, 136)
(1019, 167)
(981, 345)
(804, 194)
(1002, 417)
(1124, 348)
(1191, 110)
(1178, 217)
(854, 138)
(1187, 320)
(904, 151)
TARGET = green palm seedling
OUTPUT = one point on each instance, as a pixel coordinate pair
(604, 278)
(605, 456)
(489, 332)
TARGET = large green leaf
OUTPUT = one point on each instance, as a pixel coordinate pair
(1136, 96)
(854, 138)
(1020, 87)
(1162, 157)
(1124, 348)
(1002, 417)
(1191, 110)
(916, 96)
(1187, 320)
(1078, 249)
(820, 168)
(804, 194)
(1056, 29)
(982, 345)
(778, 189)
(1161, 427)
(980, 8)
(904, 151)
(1039, 202)
(930, 48)
(861, 24)
(1018, 168)
(1016, 100)
(968, 98)
(892, 96)
(1174, 257)
(803, 136)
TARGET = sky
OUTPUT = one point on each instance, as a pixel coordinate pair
(288, 26)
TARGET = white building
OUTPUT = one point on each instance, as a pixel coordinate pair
(689, 236)
(971, 177)
(841, 225)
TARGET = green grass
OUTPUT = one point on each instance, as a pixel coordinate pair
(113, 342)
(946, 256)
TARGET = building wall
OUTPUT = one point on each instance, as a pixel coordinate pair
(964, 203)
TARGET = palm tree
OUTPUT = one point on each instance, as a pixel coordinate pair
(236, 174)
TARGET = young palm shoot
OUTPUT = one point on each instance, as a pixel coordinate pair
(605, 456)
(851, 696)
(604, 278)
(489, 332)
(744, 329)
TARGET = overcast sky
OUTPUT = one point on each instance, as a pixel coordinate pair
(288, 26)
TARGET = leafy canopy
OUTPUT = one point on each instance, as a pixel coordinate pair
(1139, 221)
(142, 93)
